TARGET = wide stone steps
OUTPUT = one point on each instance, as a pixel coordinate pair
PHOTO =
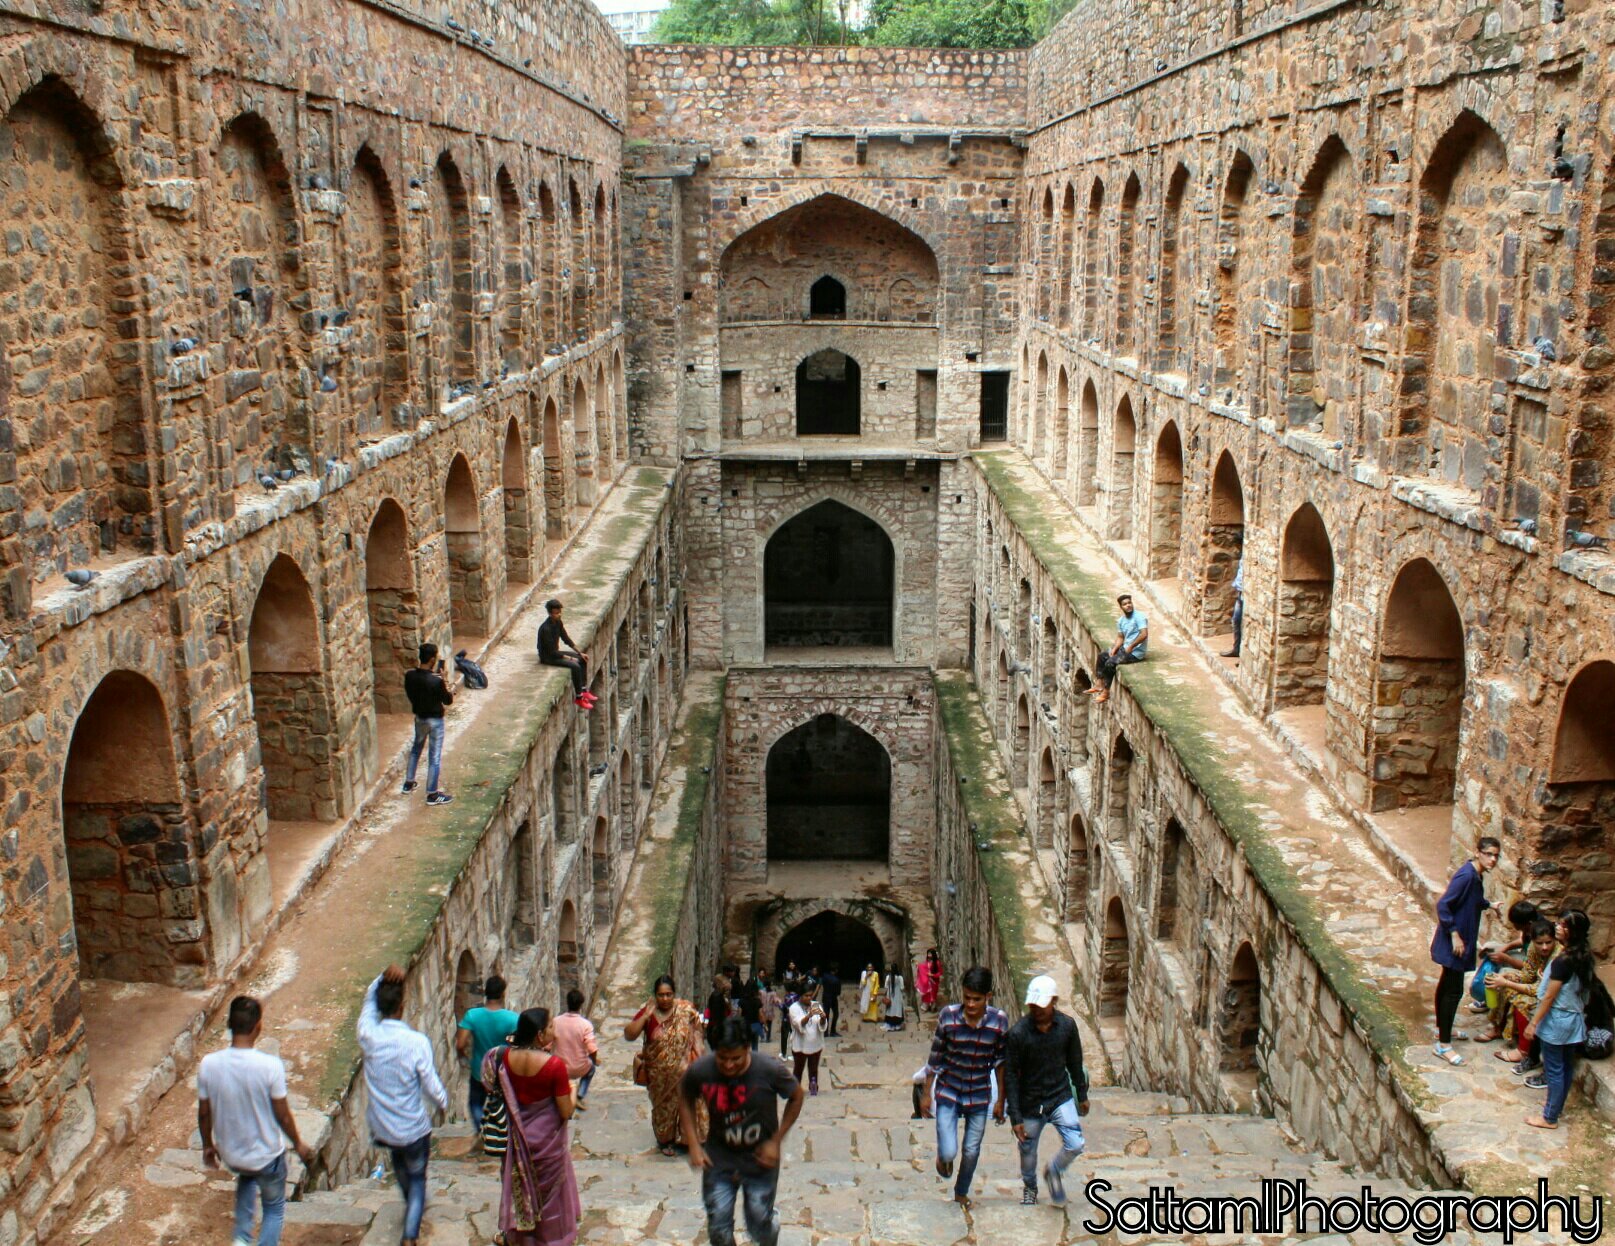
(856, 1170)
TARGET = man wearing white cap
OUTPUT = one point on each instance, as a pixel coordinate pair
(1045, 1084)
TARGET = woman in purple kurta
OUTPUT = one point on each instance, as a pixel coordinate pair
(1454, 947)
(538, 1198)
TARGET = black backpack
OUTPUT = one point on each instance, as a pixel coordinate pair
(473, 675)
(1600, 1015)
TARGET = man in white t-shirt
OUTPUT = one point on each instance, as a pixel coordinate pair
(242, 1112)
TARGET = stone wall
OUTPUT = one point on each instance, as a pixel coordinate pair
(1358, 250)
(263, 246)
(1179, 944)
(892, 704)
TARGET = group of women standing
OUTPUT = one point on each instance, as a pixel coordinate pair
(880, 998)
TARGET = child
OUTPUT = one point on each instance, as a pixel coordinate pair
(1518, 988)
(1522, 917)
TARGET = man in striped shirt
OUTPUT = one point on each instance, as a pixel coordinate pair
(968, 1047)
(400, 1076)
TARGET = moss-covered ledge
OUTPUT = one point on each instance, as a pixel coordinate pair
(1181, 722)
(486, 761)
(666, 887)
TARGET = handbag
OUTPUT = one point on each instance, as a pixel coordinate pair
(641, 1069)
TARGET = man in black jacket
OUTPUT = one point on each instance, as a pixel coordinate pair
(551, 636)
(1045, 1084)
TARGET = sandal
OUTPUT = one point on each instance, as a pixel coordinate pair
(668, 1150)
(1509, 1055)
(1491, 1036)
(964, 1199)
(1447, 1054)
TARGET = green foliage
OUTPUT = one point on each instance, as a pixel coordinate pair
(891, 23)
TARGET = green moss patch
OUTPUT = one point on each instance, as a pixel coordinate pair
(666, 880)
(985, 794)
(1174, 712)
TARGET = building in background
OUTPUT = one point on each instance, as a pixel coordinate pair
(633, 19)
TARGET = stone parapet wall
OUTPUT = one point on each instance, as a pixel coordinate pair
(1205, 965)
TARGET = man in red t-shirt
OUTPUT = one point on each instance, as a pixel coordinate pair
(575, 1044)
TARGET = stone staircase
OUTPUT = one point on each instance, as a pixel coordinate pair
(857, 1168)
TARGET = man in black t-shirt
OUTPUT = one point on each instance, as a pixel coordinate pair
(551, 636)
(742, 1151)
(428, 693)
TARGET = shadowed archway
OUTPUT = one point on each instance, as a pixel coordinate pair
(827, 580)
(829, 793)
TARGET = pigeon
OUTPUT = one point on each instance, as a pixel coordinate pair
(415, 184)
(285, 473)
(1528, 526)
(340, 318)
(80, 578)
(183, 346)
(1271, 187)
(1545, 348)
(1588, 540)
(328, 385)
(268, 482)
(453, 25)
(476, 36)
(320, 182)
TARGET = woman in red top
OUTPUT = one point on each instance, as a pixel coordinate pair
(538, 1202)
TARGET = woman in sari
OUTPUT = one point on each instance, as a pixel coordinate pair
(672, 1031)
(538, 1198)
(869, 993)
(928, 977)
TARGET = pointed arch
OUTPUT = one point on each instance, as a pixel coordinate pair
(517, 507)
(1062, 421)
(510, 269)
(1225, 546)
(550, 266)
(829, 786)
(471, 607)
(554, 473)
(1067, 264)
(583, 448)
(291, 703)
(1092, 259)
(1166, 504)
(1305, 606)
(392, 606)
(1123, 439)
(1088, 445)
(453, 277)
(1419, 692)
(829, 579)
(1237, 316)
(1174, 333)
(372, 260)
(1126, 344)
(1325, 281)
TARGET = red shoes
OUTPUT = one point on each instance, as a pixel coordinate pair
(585, 700)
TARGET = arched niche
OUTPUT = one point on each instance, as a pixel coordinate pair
(829, 785)
(829, 580)
(1419, 692)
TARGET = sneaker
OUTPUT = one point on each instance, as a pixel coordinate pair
(1476, 1005)
(588, 696)
(583, 705)
(1527, 1065)
(1535, 1082)
(409, 786)
(813, 1086)
(438, 798)
(1028, 1196)
(1056, 1180)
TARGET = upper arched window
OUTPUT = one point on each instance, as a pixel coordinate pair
(827, 299)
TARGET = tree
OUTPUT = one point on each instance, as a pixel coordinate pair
(803, 22)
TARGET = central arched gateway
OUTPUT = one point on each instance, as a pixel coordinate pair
(829, 794)
(828, 576)
(828, 939)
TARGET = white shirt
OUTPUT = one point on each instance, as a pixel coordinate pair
(807, 1029)
(239, 1083)
(399, 1076)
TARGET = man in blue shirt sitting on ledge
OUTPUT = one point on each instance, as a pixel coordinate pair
(1132, 635)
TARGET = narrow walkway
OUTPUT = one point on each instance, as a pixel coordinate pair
(1367, 918)
(374, 905)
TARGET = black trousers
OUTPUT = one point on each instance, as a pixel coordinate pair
(1449, 991)
(580, 674)
(832, 1007)
(1108, 664)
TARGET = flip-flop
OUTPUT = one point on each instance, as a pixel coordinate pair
(1508, 1056)
(1447, 1054)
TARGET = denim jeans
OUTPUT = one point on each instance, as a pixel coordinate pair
(269, 1185)
(758, 1032)
(1558, 1063)
(583, 1083)
(476, 1096)
(948, 1116)
(409, 1170)
(427, 729)
(719, 1186)
(1065, 1119)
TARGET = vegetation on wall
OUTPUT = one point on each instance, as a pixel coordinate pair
(887, 23)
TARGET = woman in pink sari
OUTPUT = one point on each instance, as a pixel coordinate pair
(538, 1200)
(928, 977)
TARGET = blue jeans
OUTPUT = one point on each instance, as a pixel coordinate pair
(1558, 1063)
(1065, 1119)
(409, 1170)
(476, 1096)
(719, 1186)
(269, 1185)
(948, 1116)
(427, 729)
(758, 1032)
(583, 1083)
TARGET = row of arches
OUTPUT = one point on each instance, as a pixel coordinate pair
(287, 387)
(1291, 348)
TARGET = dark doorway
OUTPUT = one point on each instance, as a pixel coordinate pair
(827, 299)
(829, 794)
(831, 939)
(827, 580)
(994, 406)
(827, 395)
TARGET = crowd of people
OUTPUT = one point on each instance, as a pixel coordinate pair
(1538, 992)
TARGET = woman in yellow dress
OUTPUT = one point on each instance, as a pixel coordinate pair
(869, 993)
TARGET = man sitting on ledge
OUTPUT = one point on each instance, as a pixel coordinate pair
(1132, 633)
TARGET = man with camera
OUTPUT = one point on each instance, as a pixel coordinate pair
(429, 694)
